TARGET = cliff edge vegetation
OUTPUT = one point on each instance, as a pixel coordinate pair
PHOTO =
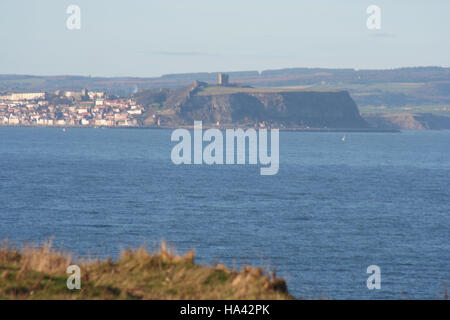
(40, 273)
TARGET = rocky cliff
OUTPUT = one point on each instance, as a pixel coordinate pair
(408, 121)
(277, 108)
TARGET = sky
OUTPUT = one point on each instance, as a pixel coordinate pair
(149, 38)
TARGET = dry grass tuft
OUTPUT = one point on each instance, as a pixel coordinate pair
(45, 259)
(8, 253)
(165, 254)
(42, 259)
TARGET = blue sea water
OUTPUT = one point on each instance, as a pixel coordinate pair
(333, 209)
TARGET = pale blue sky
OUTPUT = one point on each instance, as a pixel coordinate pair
(154, 37)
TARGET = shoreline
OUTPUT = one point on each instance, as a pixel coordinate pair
(190, 127)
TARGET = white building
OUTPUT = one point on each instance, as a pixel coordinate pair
(24, 96)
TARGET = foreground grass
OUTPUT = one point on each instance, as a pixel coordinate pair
(40, 273)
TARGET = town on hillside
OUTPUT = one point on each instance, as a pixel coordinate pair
(65, 108)
(68, 108)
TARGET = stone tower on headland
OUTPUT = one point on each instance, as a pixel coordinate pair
(223, 79)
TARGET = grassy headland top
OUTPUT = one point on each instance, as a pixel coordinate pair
(40, 273)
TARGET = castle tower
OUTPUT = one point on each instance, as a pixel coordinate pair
(223, 79)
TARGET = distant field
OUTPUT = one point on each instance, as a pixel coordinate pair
(437, 110)
(30, 83)
(216, 90)
(399, 87)
(356, 89)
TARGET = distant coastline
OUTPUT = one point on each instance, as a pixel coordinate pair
(225, 104)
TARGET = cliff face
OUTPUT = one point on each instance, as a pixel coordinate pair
(408, 121)
(285, 109)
